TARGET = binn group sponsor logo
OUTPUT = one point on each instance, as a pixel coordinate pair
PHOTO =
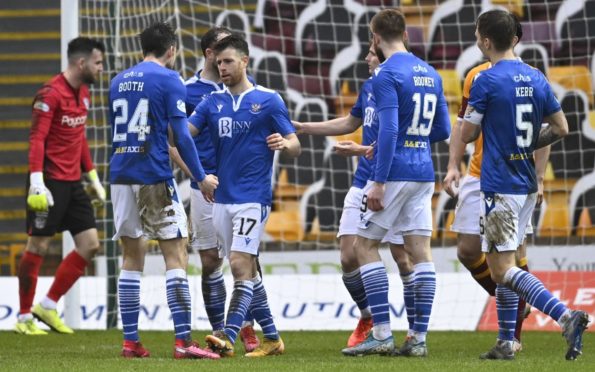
(74, 121)
(228, 127)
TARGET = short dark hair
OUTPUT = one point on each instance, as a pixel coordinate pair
(499, 26)
(210, 38)
(83, 46)
(235, 41)
(519, 27)
(157, 39)
(389, 24)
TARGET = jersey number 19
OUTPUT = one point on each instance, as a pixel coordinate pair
(429, 109)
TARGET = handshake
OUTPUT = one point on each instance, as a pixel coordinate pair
(40, 198)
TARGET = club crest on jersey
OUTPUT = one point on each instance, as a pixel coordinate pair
(86, 102)
(255, 108)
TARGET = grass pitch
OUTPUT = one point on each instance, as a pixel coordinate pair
(305, 351)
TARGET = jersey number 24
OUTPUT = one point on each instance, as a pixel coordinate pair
(136, 124)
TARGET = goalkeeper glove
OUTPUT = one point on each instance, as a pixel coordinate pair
(39, 198)
(96, 188)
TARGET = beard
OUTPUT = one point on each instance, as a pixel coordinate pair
(88, 77)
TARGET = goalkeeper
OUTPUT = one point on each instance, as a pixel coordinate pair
(56, 200)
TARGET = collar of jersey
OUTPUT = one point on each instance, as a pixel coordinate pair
(205, 81)
(236, 105)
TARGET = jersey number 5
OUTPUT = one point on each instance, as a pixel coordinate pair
(136, 124)
(526, 127)
(429, 109)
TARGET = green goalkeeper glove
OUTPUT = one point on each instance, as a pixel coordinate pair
(40, 198)
(96, 188)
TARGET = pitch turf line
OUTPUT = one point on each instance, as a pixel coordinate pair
(306, 351)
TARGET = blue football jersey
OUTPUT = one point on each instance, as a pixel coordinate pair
(197, 89)
(239, 126)
(142, 100)
(409, 101)
(510, 101)
(364, 109)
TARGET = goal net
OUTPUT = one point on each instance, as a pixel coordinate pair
(312, 52)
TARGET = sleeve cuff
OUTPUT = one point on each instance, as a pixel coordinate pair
(36, 178)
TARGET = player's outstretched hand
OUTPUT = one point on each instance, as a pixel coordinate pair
(370, 151)
(276, 142)
(299, 127)
(375, 197)
(451, 182)
(208, 186)
(349, 148)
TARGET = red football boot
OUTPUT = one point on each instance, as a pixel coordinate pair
(134, 349)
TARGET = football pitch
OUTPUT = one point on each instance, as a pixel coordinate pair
(305, 351)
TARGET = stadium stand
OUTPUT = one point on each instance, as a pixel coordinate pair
(29, 55)
(453, 89)
(451, 30)
(575, 156)
(575, 21)
(542, 32)
(535, 55)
